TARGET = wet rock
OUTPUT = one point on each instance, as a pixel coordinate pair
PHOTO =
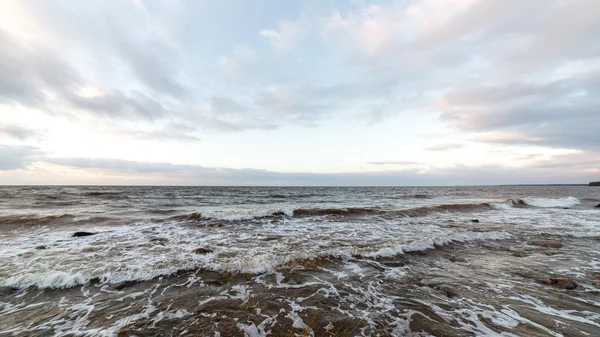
(494, 247)
(598, 206)
(271, 238)
(160, 241)
(202, 250)
(121, 285)
(456, 259)
(194, 217)
(80, 234)
(562, 283)
(279, 213)
(546, 243)
(6, 290)
(521, 254)
(430, 325)
(40, 247)
(475, 221)
(447, 290)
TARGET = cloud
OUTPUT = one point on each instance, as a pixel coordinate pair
(175, 174)
(28, 70)
(16, 157)
(153, 62)
(392, 163)
(116, 104)
(444, 147)
(17, 132)
(36, 76)
(560, 112)
(288, 35)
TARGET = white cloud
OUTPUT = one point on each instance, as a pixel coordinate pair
(288, 35)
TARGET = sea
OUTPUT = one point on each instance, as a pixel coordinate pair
(300, 261)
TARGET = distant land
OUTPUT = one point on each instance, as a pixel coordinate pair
(595, 183)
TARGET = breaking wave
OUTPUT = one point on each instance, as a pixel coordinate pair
(549, 202)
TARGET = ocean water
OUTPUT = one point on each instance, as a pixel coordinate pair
(299, 261)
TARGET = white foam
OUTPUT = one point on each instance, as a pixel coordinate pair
(551, 202)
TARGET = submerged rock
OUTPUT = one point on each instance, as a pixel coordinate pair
(80, 234)
(475, 220)
(121, 285)
(546, 243)
(202, 250)
(160, 241)
(40, 247)
(520, 254)
(562, 283)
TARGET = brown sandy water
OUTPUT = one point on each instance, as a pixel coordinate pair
(391, 272)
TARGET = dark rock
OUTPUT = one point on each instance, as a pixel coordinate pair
(121, 285)
(194, 217)
(6, 290)
(562, 283)
(456, 259)
(475, 220)
(202, 250)
(598, 206)
(160, 241)
(546, 243)
(447, 290)
(40, 247)
(279, 213)
(80, 234)
(520, 254)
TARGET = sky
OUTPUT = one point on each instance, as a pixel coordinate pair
(314, 92)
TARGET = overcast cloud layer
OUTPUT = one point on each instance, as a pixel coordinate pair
(421, 92)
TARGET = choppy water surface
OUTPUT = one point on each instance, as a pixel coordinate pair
(214, 261)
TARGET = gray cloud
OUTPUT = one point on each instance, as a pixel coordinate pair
(27, 71)
(16, 157)
(443, 147)
(199, 175)
(30, 70)
(556, 113)
(17, 132)
(153, 62)
(116, 104)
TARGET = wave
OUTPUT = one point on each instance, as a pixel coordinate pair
(101, 271)
(327, 212)
(415, 196)
(161, 211)
(302, 212)
(192, 217)
(549, 202)
(444, 208)
(33, 220)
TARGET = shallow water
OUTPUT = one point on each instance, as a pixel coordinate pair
(299, 261)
